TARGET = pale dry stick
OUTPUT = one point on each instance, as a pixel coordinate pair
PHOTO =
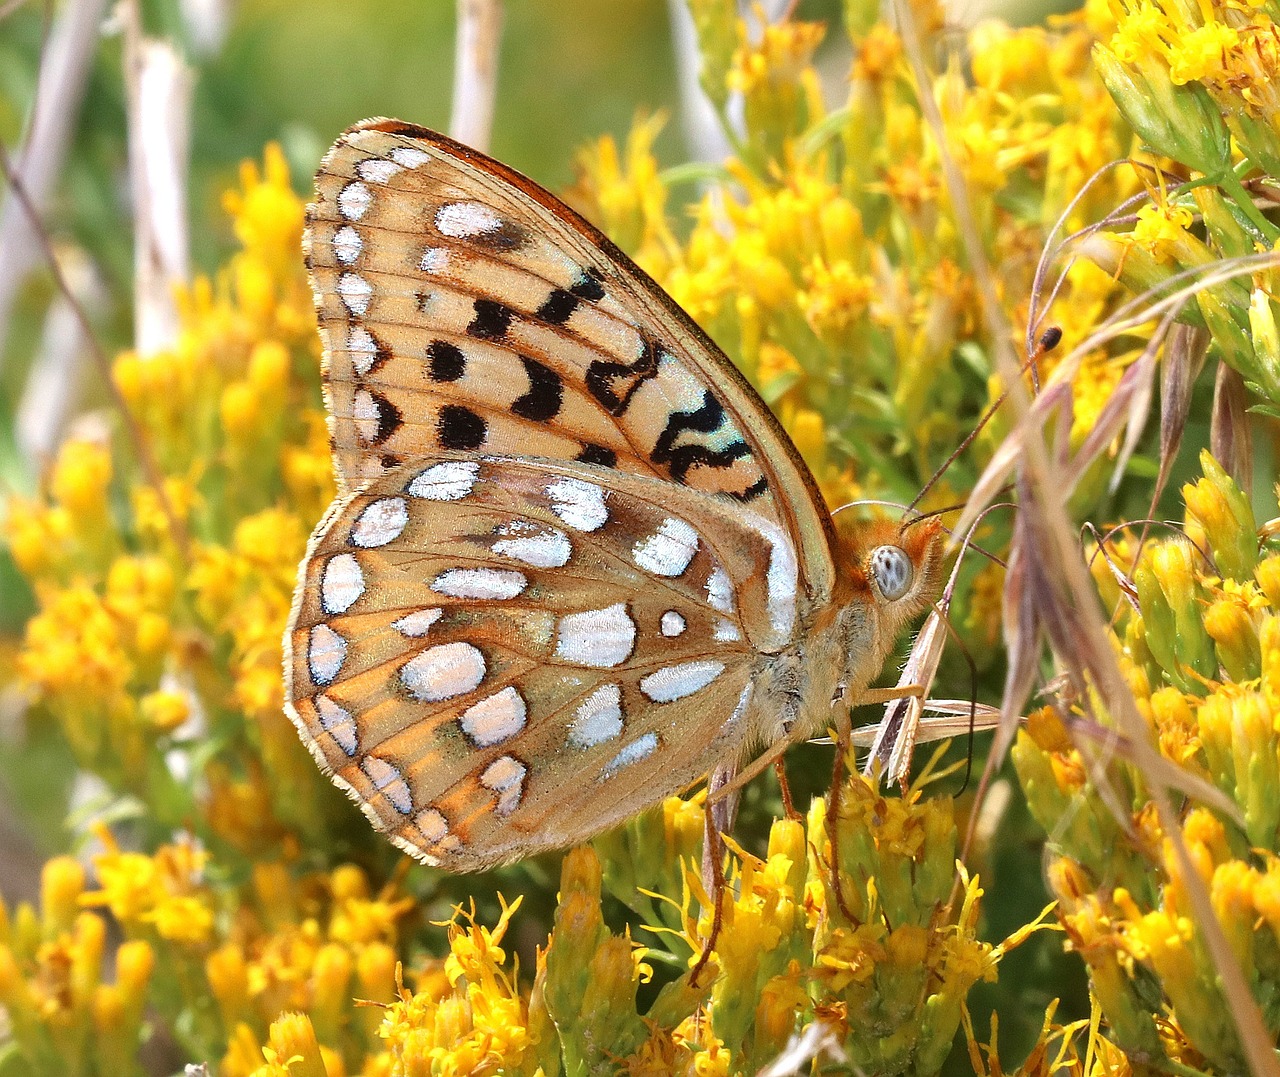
(1184, 358)
(891, 751)
(158, 89)
(1066, 607)
(1230, 437)
(1095, 443)
(8, 9)
(475, 71)
(1075, 627)
(818, 1039)
(1129, 401)
(206, 23)
(889, 759)
(703, 134)
(141, 447)
(64, 69)
(943, 719)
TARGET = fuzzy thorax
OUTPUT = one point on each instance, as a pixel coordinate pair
(843, 647)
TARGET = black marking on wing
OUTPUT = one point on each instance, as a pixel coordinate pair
(703, 420)
(460, 428)
(558, 307)
(389, 418)
(492, 320)
(602, 374)
(445, 361)
(598, 454)
(589, 286)
(381, 353)
(546, 392)
(753, 491)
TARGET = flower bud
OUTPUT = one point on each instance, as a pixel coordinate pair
(1181, 122)
(1226, 516)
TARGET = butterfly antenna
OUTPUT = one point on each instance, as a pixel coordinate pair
(920, 517)
(1049, 340)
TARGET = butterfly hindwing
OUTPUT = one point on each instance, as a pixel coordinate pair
(496, 656)
(465, 309)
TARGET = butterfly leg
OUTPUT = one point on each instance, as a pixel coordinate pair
(788, 805)
(844, 734)
(736, 780)
(844, 739)
(872, 697)
(720, 815)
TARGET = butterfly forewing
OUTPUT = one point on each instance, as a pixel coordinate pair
(496, 656)
(464, 308)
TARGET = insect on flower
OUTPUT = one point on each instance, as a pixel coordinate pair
(575, 564)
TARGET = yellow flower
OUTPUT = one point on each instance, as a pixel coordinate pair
(836, 298)
(164, 890)
(626, 196)
(165, 711)
(477, 1025)
(292, 1049)
(1201, 52)
(1162, 229)
(359, 920)
(80, 479)
(1007, 60)
(268, 215)
(774, 76)
(474, 952)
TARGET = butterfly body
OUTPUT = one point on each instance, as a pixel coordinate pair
(575, 564)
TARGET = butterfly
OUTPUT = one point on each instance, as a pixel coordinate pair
(575, 563)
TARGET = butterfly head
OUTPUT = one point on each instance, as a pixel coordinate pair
(893, 574)
(902, 564)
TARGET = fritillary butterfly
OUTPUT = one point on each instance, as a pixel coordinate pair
(575, 563)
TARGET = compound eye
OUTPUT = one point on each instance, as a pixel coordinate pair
(891, 568)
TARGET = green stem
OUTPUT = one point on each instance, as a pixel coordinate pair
(1230, 183)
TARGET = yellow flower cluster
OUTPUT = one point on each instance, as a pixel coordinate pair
(146, 606)
(60, 1009)
(1202, 655)
(826, 259)
(886, 987)
(1197, 82)
(290, 942)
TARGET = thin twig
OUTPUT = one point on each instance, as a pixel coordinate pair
(65, 60)
(140, 444)
(56, 376)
